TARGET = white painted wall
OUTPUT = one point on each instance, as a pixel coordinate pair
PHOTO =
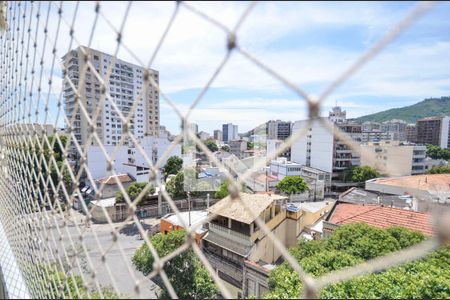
(444, 132)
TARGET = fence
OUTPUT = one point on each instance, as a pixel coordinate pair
(33, 174)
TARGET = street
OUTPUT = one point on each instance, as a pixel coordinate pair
(98, 239)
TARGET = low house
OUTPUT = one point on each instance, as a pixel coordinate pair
(376, 215)
(234, 238)
(110, 184)
(171, 222)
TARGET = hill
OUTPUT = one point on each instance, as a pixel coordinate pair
(426, 108)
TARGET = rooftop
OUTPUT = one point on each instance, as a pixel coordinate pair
(234, 210)
(427, 182)
(112, 179)
(108, 202)
(380, 216)
(196, 218)
(360, 196)
(308, 206)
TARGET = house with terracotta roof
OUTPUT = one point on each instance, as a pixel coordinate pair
(234, 237)
(110, 184)
(376, 215)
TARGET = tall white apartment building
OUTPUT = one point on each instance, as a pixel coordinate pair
(126, 85)
(319, 149)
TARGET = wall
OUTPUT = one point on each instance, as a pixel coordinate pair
(398, 160)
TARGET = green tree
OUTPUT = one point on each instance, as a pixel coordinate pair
(439, 170)
(362, 241)
(212, 146)
(173, 166)
(250, 146)
(133, 192)
(360, 174)
(292, 185)
(225, 148)
(352, 244)
(175, 186)
(222, 192)
(188, 276)
(437, 152)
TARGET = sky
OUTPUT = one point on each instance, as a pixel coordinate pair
(308, 43)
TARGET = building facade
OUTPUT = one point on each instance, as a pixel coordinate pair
(126, 85)
(229, 132)
(218, 135)
(434, 130)
(411, 133)
(394, 158)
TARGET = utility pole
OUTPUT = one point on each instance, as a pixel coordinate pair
(189, 207)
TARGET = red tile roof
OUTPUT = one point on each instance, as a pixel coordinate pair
(111, 180)
(381, 217)
(427, 182)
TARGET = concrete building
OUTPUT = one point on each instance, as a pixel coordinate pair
(229, 132)
(394, 158)
(396, 129)
(273, 145)
(411, 133)
(234, 238)
(237, 147)
(319, 149)
(281, 168)
(337, 115)
(375, 135)
(218, 135)
(127, 159)
(434, 130)
(193, 127)
(124, 86)
(204, 135)
(278, 130)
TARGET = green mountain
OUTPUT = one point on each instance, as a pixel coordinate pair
(426, 108)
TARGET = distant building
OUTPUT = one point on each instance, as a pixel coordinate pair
(281, 168)
(237, 147)
(193, 127)
(128, 159)
(218, 135)
(376, 215)
(337, 115)
(278, 130)
(318, 148)
(411, 133)
(394, 158)
(396, 129)
(434, 130)
(229, 132)
(273, 145)
(204, 135)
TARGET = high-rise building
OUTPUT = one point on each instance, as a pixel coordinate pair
(434, 130)
(193, 127)
(411, 133)
(125, 85)
(337, 115)
(396, 129)
(319, 149)
(218, 135)
(278, 130)
(229, 132)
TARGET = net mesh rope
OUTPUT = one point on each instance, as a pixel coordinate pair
(50, 243)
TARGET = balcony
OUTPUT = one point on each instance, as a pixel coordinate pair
(225, 266)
